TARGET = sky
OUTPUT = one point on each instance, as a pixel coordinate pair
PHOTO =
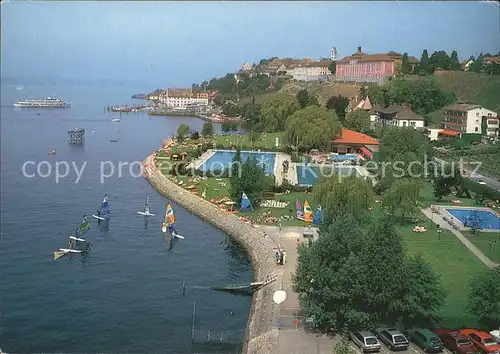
(178, 43)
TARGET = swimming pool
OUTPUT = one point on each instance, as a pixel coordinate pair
(307, 175)
(487, 219)
(346, 157)
(221, 159)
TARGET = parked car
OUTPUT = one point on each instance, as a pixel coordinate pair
(483, 341)
(496, 335)
(366, 341)
(393, 338)
(455, 341)
(427, 340)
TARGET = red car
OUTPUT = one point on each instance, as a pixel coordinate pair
(483, 341)
(455, 341)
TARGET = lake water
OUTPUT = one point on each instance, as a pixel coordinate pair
(125, 296)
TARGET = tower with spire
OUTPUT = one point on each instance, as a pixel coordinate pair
(333, 55)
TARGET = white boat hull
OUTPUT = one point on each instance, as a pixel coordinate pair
(145, 214)
(98, 217)
(67, 250)
(179, 236)
(77, 239)
(164, 229)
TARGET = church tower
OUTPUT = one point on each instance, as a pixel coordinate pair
(333, 55)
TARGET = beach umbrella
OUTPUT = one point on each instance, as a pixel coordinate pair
(279, 296)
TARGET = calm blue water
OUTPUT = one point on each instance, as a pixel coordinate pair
(308, 175)
(125, 296)
(222, 159)
(487, 219)
(346, 157)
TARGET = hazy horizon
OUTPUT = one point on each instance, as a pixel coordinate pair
(179, 43)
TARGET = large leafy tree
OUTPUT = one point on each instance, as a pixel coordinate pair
(445, 177)
(207, 130)
(312, 128)
(275, 112)
(405, 64)
(454, 63)
(439, 59)
(248, 177)
(182, 131)
(342, 279)
(483, 297)
(339, 195)
(358, 120)
(338, 104)
(402, 196)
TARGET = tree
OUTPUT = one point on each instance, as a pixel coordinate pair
(403, 196)
(332, 67)
(312, 128)
(358, 120)
(484, 126)
(339, 301)
(195, 136)
(230, 109)
(405, 64)
(182, 130)
(445, 179)
(251, 112)
(207, 130)
(478, 64)
(340, 195)
(303, 98)
(225, 126)
(248, 177)
(275, 112)
(338, 104)
(423, 67)
(454, 63)
(233, 126)
(439, 59)
(483, 298)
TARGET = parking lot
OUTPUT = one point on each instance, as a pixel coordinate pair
(413, 349)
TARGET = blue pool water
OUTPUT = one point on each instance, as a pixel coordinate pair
(486, 218)
(306, 176)
(346, 157)
(222, 159)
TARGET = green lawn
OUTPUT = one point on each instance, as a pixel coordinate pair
(454, 263)
(482, 240)
(265, 140)
(427, 197)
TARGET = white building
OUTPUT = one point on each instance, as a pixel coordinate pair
(468, 118)
(183, 98)
(399, 116)
(313, 71)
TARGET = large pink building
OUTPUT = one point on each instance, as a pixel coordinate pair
(361, 67)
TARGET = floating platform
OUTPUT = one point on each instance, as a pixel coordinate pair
(76, 136)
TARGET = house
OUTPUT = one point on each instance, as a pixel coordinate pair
(355, 104)
(246, 67)
(438, 134)
(310, 71)
(465, 65)
(377, 68)
(399, 116)
(350, 141)
(182, 98)
(491, 60)
(468, 118)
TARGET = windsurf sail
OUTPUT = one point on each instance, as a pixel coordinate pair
(104, 207)
(84, 225)
(146, 207)
(245, 203)
(299, 210)
(317, 216)
(169, 219)
(308, 214)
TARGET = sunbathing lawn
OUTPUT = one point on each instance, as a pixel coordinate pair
(453, 262)
(482, 241)
(427, 197)
(217, 189)
(265, 140)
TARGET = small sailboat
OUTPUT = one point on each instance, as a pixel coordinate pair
(64, 251)
(103, 212)
(169, 221)
(84, 226)
(146, 211)
(115, 119)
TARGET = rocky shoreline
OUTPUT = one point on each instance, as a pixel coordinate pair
(262, 334)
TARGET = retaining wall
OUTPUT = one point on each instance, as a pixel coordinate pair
(262, 335)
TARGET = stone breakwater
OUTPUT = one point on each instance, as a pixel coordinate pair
(262, 335)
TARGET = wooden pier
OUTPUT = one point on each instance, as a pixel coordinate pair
(76, 136)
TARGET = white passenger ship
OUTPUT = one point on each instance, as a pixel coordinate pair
(46, 102)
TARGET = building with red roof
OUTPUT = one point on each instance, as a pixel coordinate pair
(350, 141)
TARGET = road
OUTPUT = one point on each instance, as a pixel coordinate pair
(489, 181)
(298, 340)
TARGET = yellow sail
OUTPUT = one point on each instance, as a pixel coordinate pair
(169, 216)
(308, 214)
(59, 254)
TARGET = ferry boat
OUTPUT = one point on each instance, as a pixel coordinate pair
(46, 102)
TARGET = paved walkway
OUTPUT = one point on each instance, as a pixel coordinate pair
(290, 339)
(438, 219)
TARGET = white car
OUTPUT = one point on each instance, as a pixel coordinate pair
(496, 335)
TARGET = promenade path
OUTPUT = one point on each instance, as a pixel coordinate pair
(438, 219)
